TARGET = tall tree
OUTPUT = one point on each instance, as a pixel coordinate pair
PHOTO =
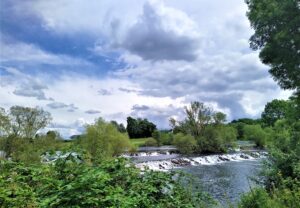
(27, 121)
(277, 35)
(198, 115)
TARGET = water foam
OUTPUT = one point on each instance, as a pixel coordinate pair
(165, 165)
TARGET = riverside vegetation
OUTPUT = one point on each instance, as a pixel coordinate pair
(98, 178)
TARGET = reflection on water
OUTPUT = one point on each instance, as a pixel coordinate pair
(225, 181)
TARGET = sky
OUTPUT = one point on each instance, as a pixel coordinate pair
(81, 60)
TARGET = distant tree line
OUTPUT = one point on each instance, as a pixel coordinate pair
(139, 128)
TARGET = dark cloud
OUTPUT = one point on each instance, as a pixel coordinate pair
(153, 37)
(92, 111)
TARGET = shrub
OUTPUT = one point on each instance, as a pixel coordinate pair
(186, 144)
(114, 183)
(166, 138)
(216, 138)
(29, 150)
(255, 133)
(103, 140)
(279, 198)
(150, 142)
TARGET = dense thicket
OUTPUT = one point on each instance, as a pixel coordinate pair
(109, 184)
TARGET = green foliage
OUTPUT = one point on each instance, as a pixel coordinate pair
(276, 25)
(138, 142)
(27, 150)
(248, 121)
(207, 127)
(216, 138)
(157, 136)
(102, 140)
(151, 142)
(166, 138)
(186, 144)
(284, 164)
(276, 110)
(281, 172)
(219, 118)
(25, 121)
(257, 134)
(260, 198)
(198, 115)
(121, 128)
(139, 128)
(113, 183)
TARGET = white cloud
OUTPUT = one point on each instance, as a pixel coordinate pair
(174, 53)
(15, 51)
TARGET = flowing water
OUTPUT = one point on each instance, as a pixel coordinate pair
(223, 176)
(225, 181)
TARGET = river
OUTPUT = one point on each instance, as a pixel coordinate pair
(223, 176)
(225, 181)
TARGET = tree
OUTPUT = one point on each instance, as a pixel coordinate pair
(139, 128)
(186, 144)
(198, 115)
(102, 140)
(256, 133)
(219, 118)
(4, 122)
(276, 110)
(26, 121)
(121, 128)
(277, 35)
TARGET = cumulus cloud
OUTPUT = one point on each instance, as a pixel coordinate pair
(225, 79)
(163, 33)
(171, 52)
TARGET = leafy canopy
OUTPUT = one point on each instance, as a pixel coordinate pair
(277, 33)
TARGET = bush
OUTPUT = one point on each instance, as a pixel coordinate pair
(186, 144)
(166, 138)
(280, 198)
(150, 142)
(216, 138)
(27, 150)
(255, 133)
(113, 183)
(102, 140)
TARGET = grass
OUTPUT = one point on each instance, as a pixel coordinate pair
(138, 141)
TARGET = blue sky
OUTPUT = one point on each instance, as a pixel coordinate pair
(81, 60)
